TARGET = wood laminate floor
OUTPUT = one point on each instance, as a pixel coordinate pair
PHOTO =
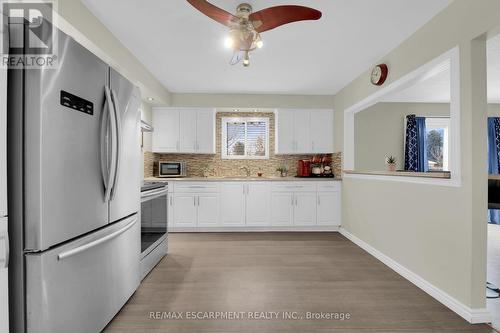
(291, 273)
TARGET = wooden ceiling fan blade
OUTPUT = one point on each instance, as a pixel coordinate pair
(214, 12)
(274, 17)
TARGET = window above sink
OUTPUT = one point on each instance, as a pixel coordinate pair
(245, 138)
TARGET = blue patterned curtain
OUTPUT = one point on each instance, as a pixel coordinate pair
(494, 159)
(415, 146)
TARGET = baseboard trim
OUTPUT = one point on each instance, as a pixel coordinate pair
(257, 229)
(473, 316)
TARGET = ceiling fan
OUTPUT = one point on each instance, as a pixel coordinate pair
(245, 26)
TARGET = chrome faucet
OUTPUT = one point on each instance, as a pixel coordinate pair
(247, 170)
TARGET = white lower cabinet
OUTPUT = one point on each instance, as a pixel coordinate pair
(294, 209)
(195, 210)
(185, 210)
(282, 212)
(208, 210)
(328, 208)
(260, 204)
(304, 212)
(233, 204)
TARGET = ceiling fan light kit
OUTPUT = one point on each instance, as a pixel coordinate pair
(245, 26)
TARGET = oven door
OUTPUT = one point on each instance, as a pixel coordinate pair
(170, 169)
(154, 219)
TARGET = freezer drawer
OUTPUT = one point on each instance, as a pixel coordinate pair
(80, 286)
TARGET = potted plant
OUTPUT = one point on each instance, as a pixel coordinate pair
(391, 163)
(283, 170)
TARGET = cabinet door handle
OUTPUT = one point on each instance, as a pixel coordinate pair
(319, 200)
(292, 199)
(171, 203)
(198, 201)
(194, 201)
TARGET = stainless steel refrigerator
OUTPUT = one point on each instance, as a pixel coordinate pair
(74, 191)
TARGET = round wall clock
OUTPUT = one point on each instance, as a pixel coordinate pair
(379, 74)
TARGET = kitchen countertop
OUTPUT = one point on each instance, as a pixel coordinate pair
(229, 179)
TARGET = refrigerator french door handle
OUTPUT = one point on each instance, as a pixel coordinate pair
(112, 167)
(92, 244)
(118, 154)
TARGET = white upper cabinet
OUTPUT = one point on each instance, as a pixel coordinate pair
(187, 131)
(303, 131)
(184, 131)
(205, 131)
(166, 131)
(322, 131)
(285, 138)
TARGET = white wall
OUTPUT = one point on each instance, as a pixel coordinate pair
(252, 101)
(437, 232)
(77, 21)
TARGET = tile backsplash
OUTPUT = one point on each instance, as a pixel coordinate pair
(231, 168)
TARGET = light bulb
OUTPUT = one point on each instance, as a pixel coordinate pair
(246, 60)
(229, 42)
(260, 44)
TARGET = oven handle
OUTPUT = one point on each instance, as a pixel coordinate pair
(156, 193)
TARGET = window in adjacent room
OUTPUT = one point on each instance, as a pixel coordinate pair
(245, 138)
(437, 137)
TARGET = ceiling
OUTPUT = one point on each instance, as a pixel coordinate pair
(185, 50)
(435, 88)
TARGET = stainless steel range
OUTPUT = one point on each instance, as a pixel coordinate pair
(154, 224)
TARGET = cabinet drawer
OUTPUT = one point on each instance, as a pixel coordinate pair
(329, 186)
(298, 186)
(196, 187)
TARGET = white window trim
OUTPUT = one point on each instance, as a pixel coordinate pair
(455, 139)
(224, 154)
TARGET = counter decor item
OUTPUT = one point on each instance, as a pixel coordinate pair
(304, 168)
(283, 170)
(206, 170)
(327, 171)
(317, 170)
(391, 163)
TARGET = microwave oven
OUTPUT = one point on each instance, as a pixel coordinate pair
(172, 169)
